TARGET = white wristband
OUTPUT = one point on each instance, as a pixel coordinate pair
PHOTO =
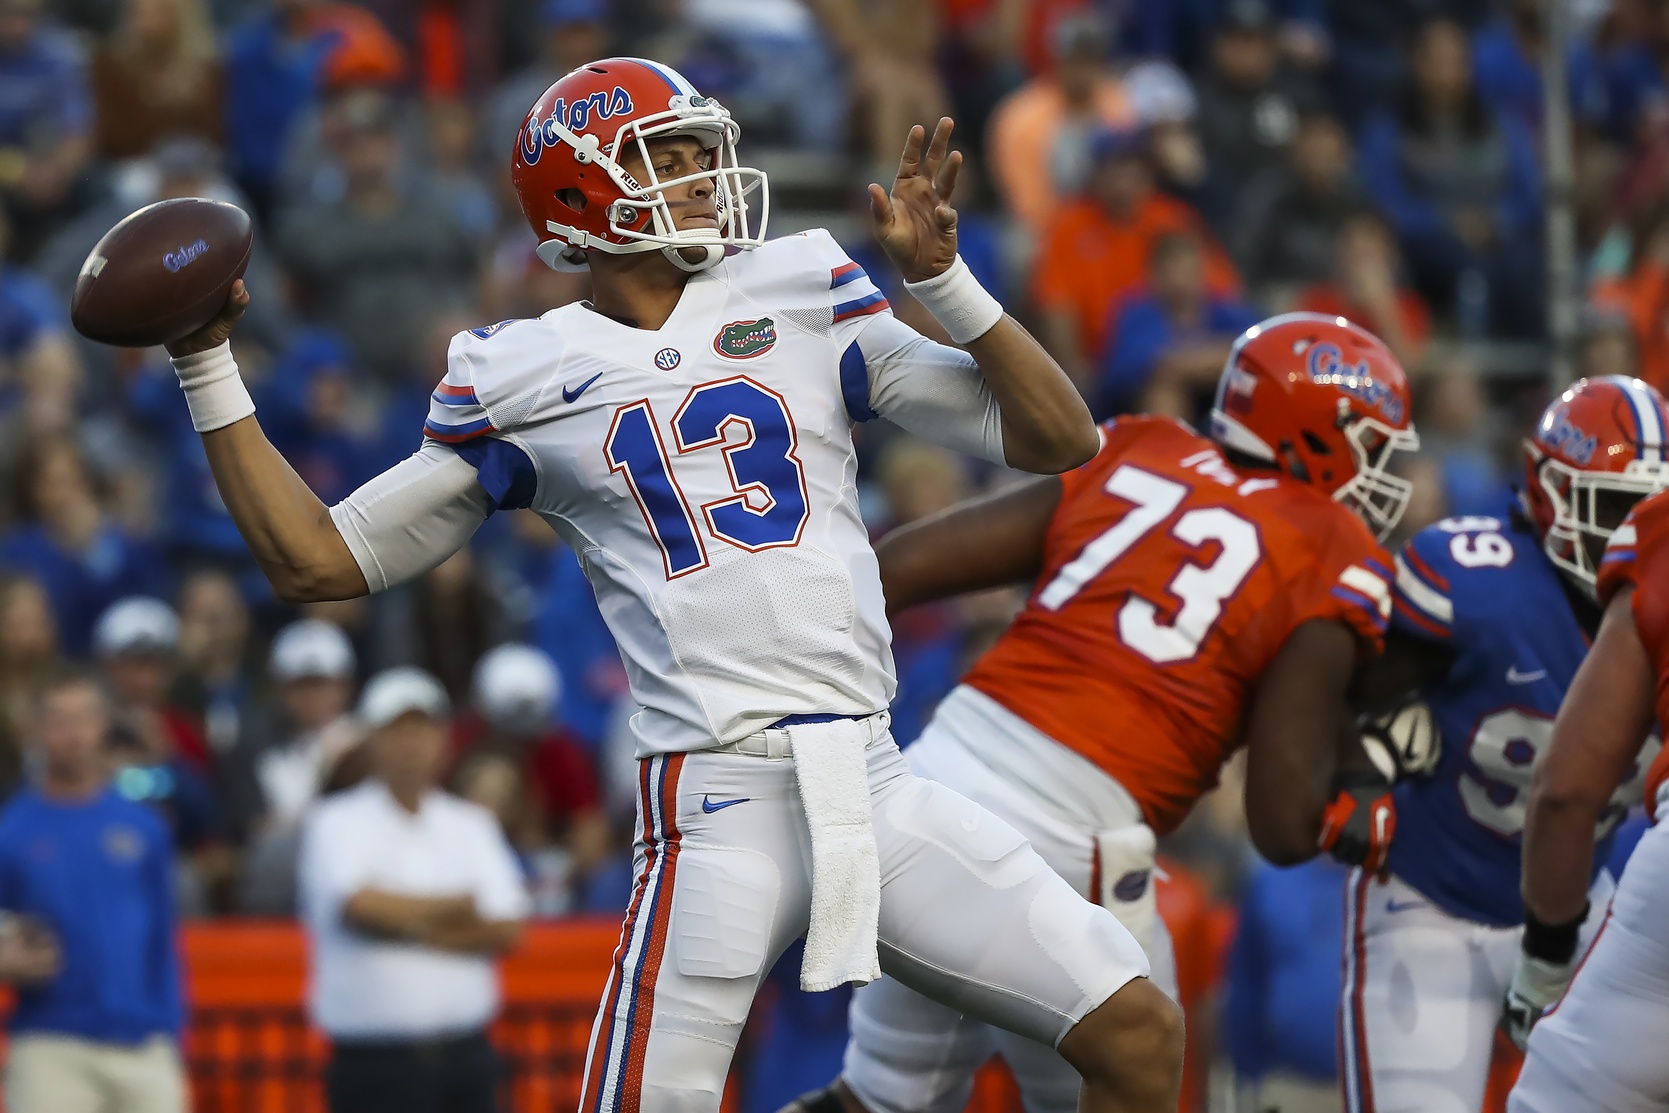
(214, 390)
(959, 302)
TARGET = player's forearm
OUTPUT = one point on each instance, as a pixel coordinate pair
(1293, 728)
(1604, 719)
(288, 530)
(1059, 331)
(1047, 428)
(983, 543)
(1558, 854)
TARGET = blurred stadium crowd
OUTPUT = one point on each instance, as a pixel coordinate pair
(1145, 179)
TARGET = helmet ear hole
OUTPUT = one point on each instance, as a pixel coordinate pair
(1315, 444)
(573, 198)
(1293, 463)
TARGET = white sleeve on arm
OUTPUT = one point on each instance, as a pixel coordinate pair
(412, 516)
(930, 389)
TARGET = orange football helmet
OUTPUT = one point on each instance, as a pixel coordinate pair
(1326, 402)
(1598, 449)
(567, 173)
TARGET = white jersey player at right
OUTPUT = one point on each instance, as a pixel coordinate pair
(689, 432)
(1599, 1049)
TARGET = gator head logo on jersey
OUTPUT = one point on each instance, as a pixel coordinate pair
(1324, 402)
(1598, 449)
(746, 339)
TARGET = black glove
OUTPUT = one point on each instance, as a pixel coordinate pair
(1358, 826)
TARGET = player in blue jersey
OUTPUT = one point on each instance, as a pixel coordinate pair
(1491, 617)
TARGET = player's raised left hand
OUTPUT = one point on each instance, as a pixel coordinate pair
(916, 225)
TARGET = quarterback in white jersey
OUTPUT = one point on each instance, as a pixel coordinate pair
(689, 432)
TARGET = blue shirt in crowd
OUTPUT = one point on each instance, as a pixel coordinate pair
(28, 308)
(195, 522)
(270, 79)
(43, 91)
(331, 457)
(1281, 1012)
(82, 584)
(570, 628)
(1415, 182)
(99, 874)
(1143, 332)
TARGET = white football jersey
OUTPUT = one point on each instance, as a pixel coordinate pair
(705, 474)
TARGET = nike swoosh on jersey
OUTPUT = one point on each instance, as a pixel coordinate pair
(1516, 677)
(569, 394)
(1403, 906)
(709, 805)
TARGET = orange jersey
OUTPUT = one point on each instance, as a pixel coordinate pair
(1638, 557)
(1170, 581)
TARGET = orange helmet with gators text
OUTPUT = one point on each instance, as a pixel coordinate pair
(1326, 402)
(573, 191)
(1598, 449)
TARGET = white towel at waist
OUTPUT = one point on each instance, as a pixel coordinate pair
(832, 765)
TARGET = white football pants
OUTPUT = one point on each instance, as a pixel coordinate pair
(1422, 996)
(970, 914)
(910, 1054)
(1602, 1047)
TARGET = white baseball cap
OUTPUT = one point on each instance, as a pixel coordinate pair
(395, 692)
(517, 686)
(1159, 93)
(311, 647)
(137, 624)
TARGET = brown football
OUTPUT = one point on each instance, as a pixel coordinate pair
(162, 272)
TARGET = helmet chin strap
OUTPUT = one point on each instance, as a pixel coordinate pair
(711, 253)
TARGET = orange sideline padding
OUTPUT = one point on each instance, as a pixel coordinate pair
(250, 1049)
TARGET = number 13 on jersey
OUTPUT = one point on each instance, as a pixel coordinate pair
(765, 506)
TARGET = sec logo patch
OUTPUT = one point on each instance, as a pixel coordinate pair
(667, 358)
(746, 339)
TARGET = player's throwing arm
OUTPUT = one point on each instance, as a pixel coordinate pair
(287, 528)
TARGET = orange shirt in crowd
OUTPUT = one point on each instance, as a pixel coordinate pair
(1090, 259)
(1124, 661)
(1327, 298)
(1020, 142)
(1643, 296)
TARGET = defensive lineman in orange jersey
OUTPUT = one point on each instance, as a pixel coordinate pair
(1191, 595)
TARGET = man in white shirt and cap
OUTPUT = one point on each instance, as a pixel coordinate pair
(407, 894)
